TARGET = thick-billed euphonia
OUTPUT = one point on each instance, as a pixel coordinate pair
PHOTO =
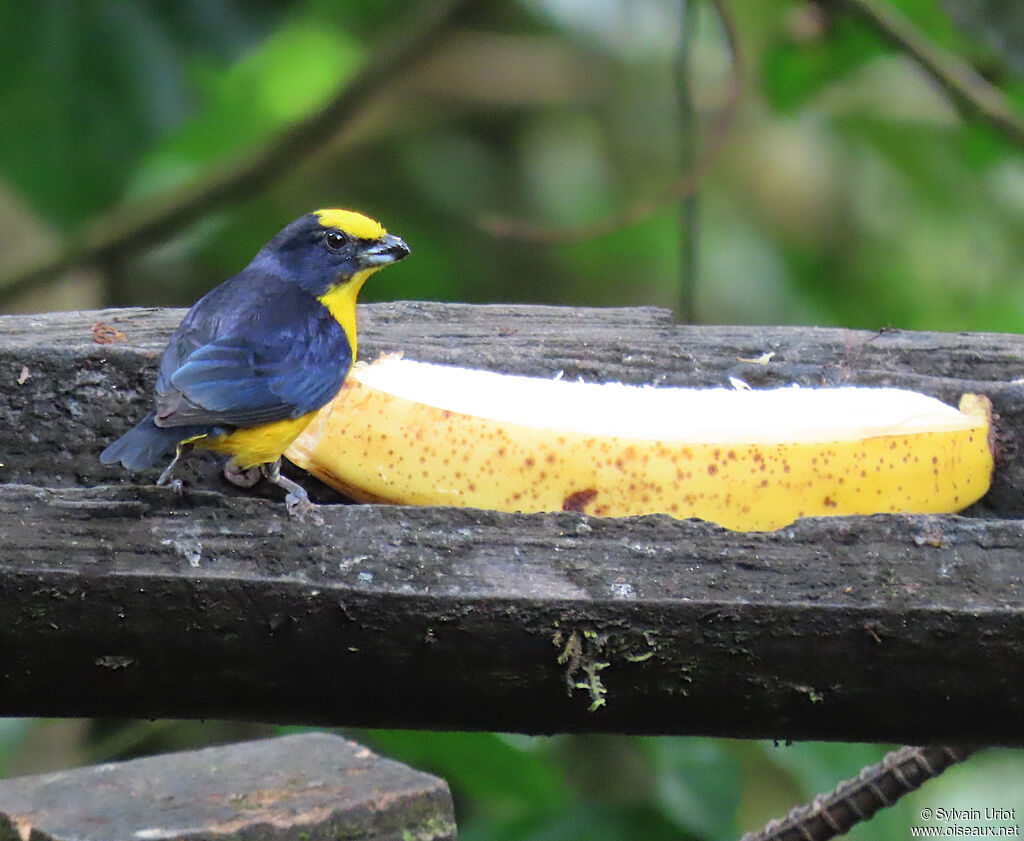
(257, 356)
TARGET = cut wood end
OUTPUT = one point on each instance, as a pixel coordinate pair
(305, 785)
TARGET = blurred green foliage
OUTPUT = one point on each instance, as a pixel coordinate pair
(848, 191)
(576, 788)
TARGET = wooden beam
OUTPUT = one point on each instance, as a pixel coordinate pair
(122, 599)
(65, 396)
(312, 785)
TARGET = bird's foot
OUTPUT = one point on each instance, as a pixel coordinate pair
(242, 478)
(301, 508)
(165, 477)
(297, 501)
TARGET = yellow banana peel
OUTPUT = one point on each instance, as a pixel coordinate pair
(416, 433)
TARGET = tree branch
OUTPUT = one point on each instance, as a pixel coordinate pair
(973, 95)
(642, 210)
(128, 228)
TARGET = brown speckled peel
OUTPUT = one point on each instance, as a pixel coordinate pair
(377, 446)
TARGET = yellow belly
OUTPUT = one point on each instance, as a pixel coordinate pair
(257, 444)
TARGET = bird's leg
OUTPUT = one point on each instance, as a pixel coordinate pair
(165, 477)
(239, 477)
(296, 493)
(297, 501)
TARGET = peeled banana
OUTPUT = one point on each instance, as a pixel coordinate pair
(411, 432)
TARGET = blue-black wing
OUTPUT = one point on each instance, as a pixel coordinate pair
(252, 351)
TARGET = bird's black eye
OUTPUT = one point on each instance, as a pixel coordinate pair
(335, 241)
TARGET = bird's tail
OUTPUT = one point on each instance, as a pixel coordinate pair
(145, 444)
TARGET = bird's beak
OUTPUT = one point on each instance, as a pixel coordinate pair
(386, 249)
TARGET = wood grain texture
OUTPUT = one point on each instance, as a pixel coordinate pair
(312, 786)
(130, 601)
(126, 600)
(74, 395)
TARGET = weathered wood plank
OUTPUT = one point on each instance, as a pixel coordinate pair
(127, 601)
(124, 600)
(312, 786)
(64, 397)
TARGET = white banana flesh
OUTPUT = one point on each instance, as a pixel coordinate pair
(416, 433)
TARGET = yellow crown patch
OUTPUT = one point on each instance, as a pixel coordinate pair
(350, 222)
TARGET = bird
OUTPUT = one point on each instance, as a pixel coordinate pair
(256, 357)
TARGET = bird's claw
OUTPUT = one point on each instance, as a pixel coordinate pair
(302, 509)
(242, 478)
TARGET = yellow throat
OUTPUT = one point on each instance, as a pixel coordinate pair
(341, 300)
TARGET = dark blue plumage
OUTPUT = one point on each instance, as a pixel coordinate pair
(146, 443)
(254, 350)
(260, 347)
